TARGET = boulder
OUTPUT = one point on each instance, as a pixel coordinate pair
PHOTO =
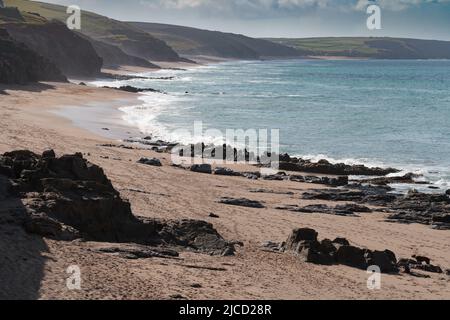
(225, 172)
(303, 243)
(49, 154)
(299, 235)
(341, 242)
(202, 168)
(353, 257)
(242, 202)
(150, 162)
(385, 260)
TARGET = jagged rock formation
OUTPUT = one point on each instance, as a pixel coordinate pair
(325, 167)
(414, 207)
(304, 243)
(20, 65)
(68, 198)
(71, 53)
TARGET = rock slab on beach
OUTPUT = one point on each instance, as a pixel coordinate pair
(68, 198)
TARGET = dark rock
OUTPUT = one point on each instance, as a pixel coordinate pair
(242, 202)
(68, 50)
(422, 260)
(299, 235)
(419, 263)
(150, 162)
(447, 192)
(273, 246)
(48, 154)
(352, 208)
(133, 89)
(5, 187)
(335, 195)
(325, 167)
(133, 251)
(19, 64)
(353, 257)
(304, 244)
(276, 177)
(44, 226)
(428, 268)
(416, 207)
(289, 193)
(343, 210)
(226, 172)
(213, 215)
(251, 175)
(407, 178)
(385, 260)
(202, 168)
(68, 197)
(341, 241)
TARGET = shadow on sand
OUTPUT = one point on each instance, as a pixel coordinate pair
(21, 255)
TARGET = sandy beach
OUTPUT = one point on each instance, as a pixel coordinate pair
(32, 118)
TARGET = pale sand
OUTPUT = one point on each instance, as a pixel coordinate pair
(36, 268)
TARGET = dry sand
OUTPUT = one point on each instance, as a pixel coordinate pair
(36, 269)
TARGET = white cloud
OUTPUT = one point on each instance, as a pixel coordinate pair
(274, 5)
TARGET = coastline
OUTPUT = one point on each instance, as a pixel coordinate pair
(434, 186)
(170, 192)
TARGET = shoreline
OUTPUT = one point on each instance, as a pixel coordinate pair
(126, 130)
(172, 193)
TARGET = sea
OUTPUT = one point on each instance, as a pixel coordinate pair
(386, 113)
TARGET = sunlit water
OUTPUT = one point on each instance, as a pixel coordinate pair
(387, 113)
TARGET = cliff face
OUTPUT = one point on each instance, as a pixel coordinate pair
(113, 56)
(20, 65)
(373, 48)
(71, 53)
(129, 39)
(192, 41)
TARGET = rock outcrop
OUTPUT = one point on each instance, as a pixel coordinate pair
(325, 167)
(340, 210)
(305, 245)
(414, 207)
(67, 198)
(70, 52)
(242, 202)
(20, 65)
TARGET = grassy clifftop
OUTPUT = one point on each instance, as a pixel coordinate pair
(192, 41)
(376, 48)
(131, 40)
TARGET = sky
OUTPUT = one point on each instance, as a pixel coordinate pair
(426, 19)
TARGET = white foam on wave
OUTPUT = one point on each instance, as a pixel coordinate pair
(438, 177)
